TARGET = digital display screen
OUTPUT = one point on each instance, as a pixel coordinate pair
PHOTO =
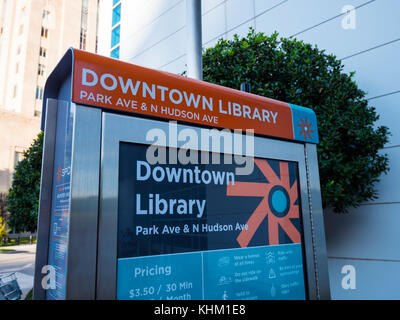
(204, 232)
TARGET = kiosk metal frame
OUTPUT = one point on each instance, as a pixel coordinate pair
(96, 135)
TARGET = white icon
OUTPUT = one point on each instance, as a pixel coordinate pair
(270, 257)
(273, 291)
(223, 262)
(225, 296)
(224, 280)
(272, 274)
(55, 228)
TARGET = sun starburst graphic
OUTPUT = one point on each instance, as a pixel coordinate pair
(277, 204)
(305, 128)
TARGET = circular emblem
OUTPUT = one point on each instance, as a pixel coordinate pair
(279, 201)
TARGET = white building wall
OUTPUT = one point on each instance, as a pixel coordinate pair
(104, 28)
(154, 35)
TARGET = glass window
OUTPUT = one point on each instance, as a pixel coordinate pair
(115, 53)
(45, 14)
(45, 32)
(22, 13)
(84, 15)
(82, 44)
(116, 17)
(115, 36)
(18, 157)
(41, 69)
(39, 93)
(42, 52)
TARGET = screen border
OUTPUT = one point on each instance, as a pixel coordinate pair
(119, 128)
(303, 259)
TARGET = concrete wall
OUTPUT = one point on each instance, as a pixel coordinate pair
(12, 141)
(154, 35)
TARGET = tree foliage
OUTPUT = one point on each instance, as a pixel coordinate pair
(293, 71)
(3, 228)
(23, 197)
(3, 205)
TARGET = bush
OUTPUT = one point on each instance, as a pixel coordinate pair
(29, 295)
(23, 197)
(293, 71)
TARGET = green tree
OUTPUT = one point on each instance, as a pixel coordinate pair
(3, 229)
(23, 197)
(3, 205)
(293, 71)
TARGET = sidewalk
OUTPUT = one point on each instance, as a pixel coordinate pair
(21, 261)
(22, 247)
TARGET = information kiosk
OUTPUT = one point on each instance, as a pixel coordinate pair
(156, 186)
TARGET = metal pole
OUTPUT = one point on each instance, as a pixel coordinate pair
(194, 51)
(245, 87)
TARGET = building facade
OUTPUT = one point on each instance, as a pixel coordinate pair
(34, 35)
(364, 34)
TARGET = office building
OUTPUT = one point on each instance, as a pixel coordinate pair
(34, 35)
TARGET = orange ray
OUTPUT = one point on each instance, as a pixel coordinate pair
(293, 212)
(267, 171)
(293, 193)
(248, 189)
(290, 230)
(255, 189)
(273, 231)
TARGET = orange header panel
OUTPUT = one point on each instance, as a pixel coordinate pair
(109, 83)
